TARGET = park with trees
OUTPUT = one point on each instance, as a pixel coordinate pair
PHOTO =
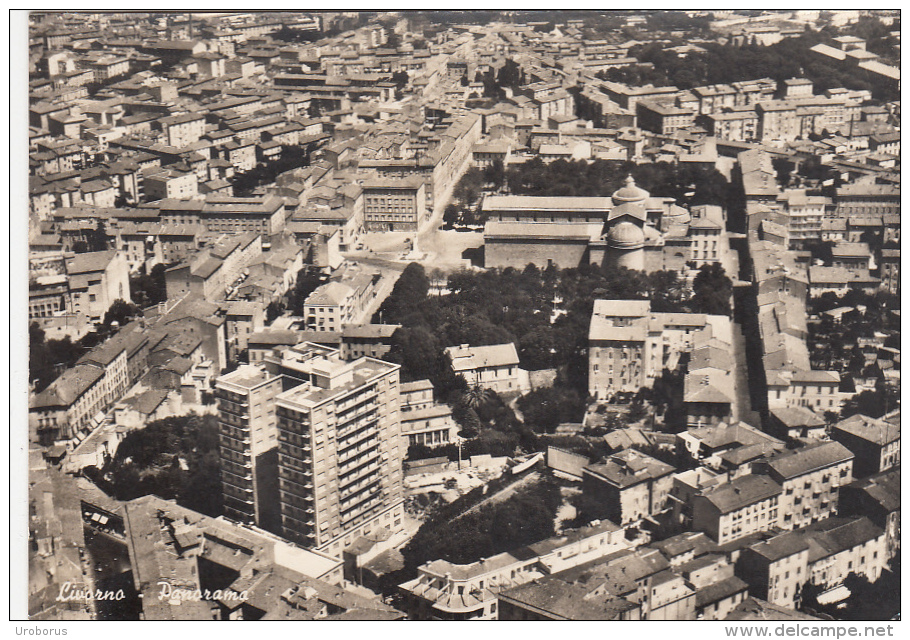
(176, 458)
(546, 314)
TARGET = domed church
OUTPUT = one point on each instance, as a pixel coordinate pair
(631, 229)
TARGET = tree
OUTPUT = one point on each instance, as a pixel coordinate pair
(874, 404)
(175, 458)
(307, 281)
(97, 237)
(149, 289)
(523, 518)
(450, 216)
(418, 352)
(712, 290)
(120, 312)
(48, 359)
(495, 174)
(466, 418)
(273, 311)
(477, 395)
(409, 292)
(393, 40)
(546, 408)
(400, 78)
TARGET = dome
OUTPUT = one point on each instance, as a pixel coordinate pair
(626, 235)
(673, 216)
(652, 235)
(630, 192)
(678, 214)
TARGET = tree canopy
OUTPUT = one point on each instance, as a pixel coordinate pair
(174, 458)
(603, 177)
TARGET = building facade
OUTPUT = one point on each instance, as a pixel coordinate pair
(340, 457)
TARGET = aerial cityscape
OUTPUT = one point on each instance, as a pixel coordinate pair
(463, 315)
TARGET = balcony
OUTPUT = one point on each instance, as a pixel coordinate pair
(347, 414)
(357, 475)
(355, 445)
(358, 458)
(354, 463)
(244, 442)
(357, 488)
(353, 428)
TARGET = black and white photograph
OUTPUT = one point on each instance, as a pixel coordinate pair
(456, 314)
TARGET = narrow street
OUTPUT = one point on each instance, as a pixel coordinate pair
(742, 406)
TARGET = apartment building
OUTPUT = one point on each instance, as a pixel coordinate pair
(642, 576)
(811, 389)
(265, 215)
(629, 485)
(74, 403)
(159, 184)
(739, 124)
(550, 598)
(339, 452)
(663, 119)
(95, 281)
(183, 130)
(877, 497)
(823, 553)
(249, 445)
(776, 569)
(394, 205)
(875, 443)
(213, 271)
(617, 347)
(867, 199)
(431, 426)
(726, 447)
(69, 406)
(373, 340)
(705, 231)
(805, 214)
(629, 345)
(737, 509)
(340, 302)
(810, 478)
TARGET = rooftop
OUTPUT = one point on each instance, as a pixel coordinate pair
(793, 464)
(742, 492)
(467, 358)
(628, 468)
(876, 431)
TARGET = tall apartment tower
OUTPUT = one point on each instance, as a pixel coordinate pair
(339, 451)
(249, 445)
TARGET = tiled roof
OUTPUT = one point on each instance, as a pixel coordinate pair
(741, 492)
(465, 358)
(876, 431)
(628, 468)
(66, 389)
(817, 456)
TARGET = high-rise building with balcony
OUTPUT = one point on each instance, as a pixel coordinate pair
(249, 445)
(339, 451)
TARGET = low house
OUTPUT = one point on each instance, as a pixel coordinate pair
(493, 367)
